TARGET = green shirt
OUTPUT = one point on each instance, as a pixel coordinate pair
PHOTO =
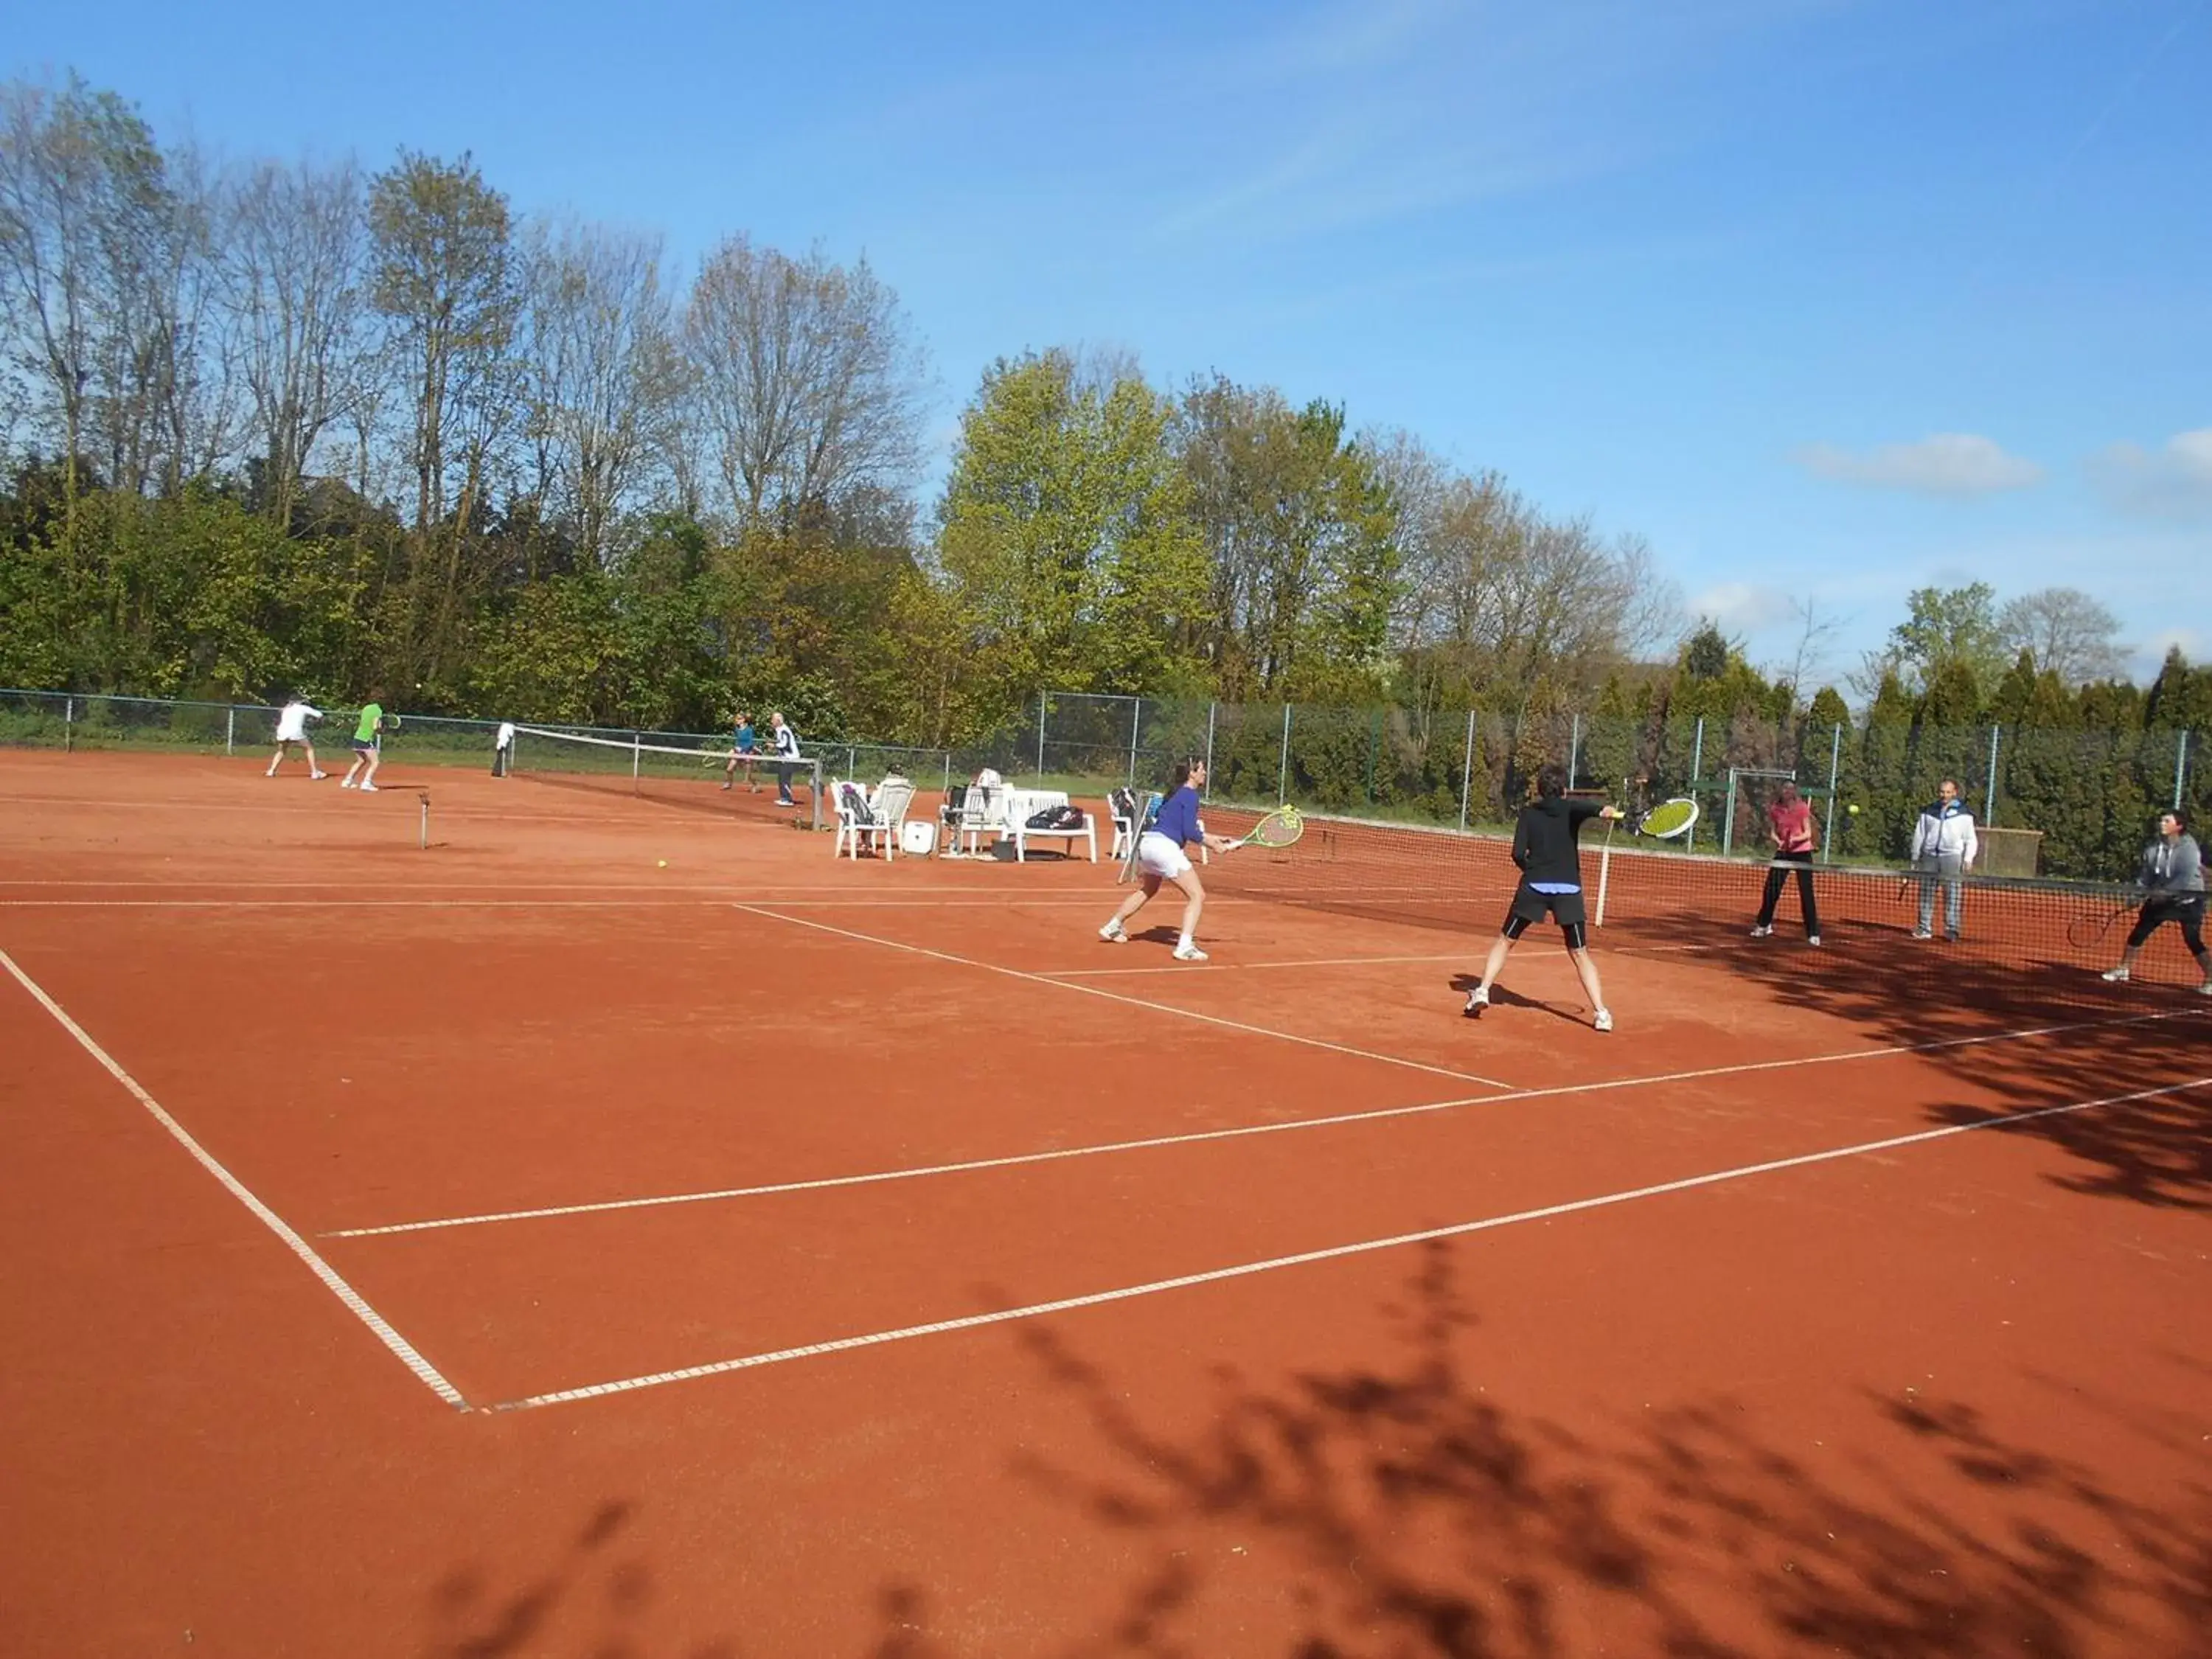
(371, 718)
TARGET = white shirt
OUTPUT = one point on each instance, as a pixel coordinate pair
(1945, 832)
(786, 743)
(292, 721)
(505, 737)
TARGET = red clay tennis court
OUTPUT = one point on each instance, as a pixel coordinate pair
(520, 1247)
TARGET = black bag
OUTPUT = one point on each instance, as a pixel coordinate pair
(856, 803)
(1067, 817)
(1043, 818)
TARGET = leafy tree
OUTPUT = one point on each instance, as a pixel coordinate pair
(1707, 654)
(1946, 627)
(1065, 531)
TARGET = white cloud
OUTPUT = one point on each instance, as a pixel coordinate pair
(1947, 464)
(2152, 653)
(2173, 481)
(1743, 607)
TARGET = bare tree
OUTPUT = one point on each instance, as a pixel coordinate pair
(2067, 632)
(1816, 633)
(72, 164)
(295, 276)
(807, 377)
(442, 278)
(603, 374)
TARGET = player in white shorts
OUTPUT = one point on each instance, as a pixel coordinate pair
(1161, 857)
(292, 727)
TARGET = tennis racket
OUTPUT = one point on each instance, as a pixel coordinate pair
(2088, 929)
(389, 723)
(1280, 828)
(1669, 820)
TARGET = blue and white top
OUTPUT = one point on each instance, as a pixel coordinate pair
(1178, 817)
(787, 742)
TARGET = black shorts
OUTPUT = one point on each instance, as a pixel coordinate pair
(1529, 906)
(2186, 910)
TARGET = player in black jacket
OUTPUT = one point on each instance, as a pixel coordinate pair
(1551, 865)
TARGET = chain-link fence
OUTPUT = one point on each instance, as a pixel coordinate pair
(2058, 802)
(2067, 803)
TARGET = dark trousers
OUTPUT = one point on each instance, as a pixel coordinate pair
(1776, 874)
(783, 775)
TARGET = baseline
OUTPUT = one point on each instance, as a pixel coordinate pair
(1332, 1253)
(1199, 1137)
(425, 1373)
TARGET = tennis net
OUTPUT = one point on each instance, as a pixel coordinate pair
(673, 770)
(2021, 941)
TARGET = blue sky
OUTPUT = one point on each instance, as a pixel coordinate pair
(1827, 298)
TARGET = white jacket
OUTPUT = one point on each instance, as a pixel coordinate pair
(1945, 831)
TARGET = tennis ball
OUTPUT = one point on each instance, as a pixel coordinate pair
(664, 864)
(1853, 809)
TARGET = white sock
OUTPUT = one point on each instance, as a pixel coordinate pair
(1186, 942)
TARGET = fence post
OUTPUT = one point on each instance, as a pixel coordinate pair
(1136, 715)
(1989, 794)
(1040, 734)
(1728, 817)
(1835, 763)
(69, 724)
(2180, 768)
(1466, 770)
(1210, 709)
(1283, 772)
(230, 732)
(637, 754)
(948, 774)
(1574, 751)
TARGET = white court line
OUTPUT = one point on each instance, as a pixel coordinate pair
(1198, 1137)
(425, 1371)
(1333, 1253)
(1133, 1002)
(1246, 967)
(709, 901)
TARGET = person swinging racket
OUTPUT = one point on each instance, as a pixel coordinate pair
(1545, 852)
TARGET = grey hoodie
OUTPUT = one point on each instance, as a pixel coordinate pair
(2173, 867)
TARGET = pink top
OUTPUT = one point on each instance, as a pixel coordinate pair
(1793, 826)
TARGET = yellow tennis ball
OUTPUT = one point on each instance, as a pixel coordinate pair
(1853, 809)
(664, 864)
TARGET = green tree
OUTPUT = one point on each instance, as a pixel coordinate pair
(1065, 531)
(1946, 628)
(1299, 525)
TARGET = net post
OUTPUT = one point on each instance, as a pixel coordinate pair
(1828, 823)
(1210, 709)
(2180, 767)
(230, 732)
(1990, 791)
(423, 839)
(1697, 766)
(1282, 769)
(1136, 714)
(636, 756)
(1466, 770)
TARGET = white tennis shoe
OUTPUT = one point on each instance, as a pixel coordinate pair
(1114, 933)
(1603, 1019)
(1188, 953)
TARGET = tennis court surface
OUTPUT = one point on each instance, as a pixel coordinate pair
(526, 1245)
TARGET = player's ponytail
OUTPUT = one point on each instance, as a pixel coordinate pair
(1179, 775)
